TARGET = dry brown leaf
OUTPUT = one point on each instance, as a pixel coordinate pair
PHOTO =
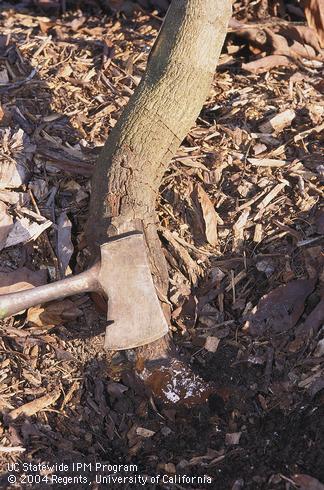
(280, 310)
(21, 279)
(31, 408)
(45, 24)
(6, 224)
(116, 389)
(64, 242)
(77, 23)
(292, 49)
(24, 230)
(52, 314)
(16, 153)
(265, 64)
(302, 34)
(313, 322)
(209, 214)
(306, 482)
(314, 12)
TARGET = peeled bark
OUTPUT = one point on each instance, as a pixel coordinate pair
(157, 118)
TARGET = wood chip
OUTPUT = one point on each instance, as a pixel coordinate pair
(257, 237)
(278, 122)
(35, 406)
(267, 162)
(12, 449)
(268, 198)
(211, 344)
(238, 229)
(191, 268)
(141, 431)
(232, 438)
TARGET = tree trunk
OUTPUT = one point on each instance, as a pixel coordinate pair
(158, 116)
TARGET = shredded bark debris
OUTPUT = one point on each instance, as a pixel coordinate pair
(242, 229)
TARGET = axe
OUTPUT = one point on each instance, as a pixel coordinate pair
(122, 274)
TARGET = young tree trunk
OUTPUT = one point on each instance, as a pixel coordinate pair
(160, 113)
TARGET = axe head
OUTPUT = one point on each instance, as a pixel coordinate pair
(134, 312)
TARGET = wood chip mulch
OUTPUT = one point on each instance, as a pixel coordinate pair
(242, 228)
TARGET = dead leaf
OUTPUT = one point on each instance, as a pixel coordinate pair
(116, 389)
(280, 310)
(77, 23)
(265, 64)
(302, 34)
(16, 153)
(307, 482)
(315, 18)
(293, 49)
(24, 230)
(314, 262)
(45, 24)
(313, 322)
(209, 214)
(21, 279)
(64, 242)
(31, 408)
(52, 314)
(6, 224)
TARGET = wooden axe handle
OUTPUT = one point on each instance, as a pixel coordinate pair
(13, 303)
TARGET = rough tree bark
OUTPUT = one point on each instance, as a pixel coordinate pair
(160, 113)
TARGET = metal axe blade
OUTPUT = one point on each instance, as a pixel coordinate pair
(133, 306)
(123, 274)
